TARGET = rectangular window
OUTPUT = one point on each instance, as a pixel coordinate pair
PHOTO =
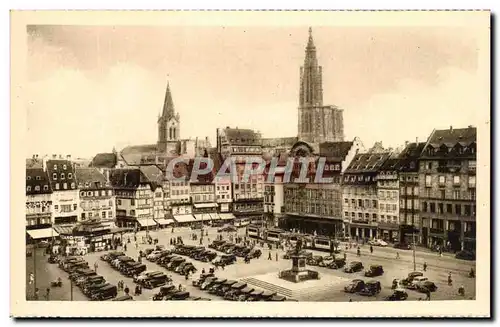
(458, 209)
(119, 202)
(360, 203)
(433, 207)
(75, 206)
(456, 179)
(104, 214)
(456, 194)
(472, 181)
(110, 214)
(57, 186)
(382, 207)
(472, 194)
(467, 210)
(442, 194)
(449, 208)
(429, 165)
(441, 180)
(402, 190)
(440, 207)
(54, 176)
(132, 202)
(428, 180)
(360, 215)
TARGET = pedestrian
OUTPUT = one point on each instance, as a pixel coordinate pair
(95, 266)
(269, 256)
(203, 271)
(222, 266)
(47, 294)
(126, 290)
(425, 266)
(125, 247)
(450, 282)
(427, 295)
(345, 256)
(461, 290)
(36, 294)
(276, 256)
(397, 255)
(371, 249)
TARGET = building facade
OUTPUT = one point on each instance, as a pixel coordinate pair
(97, 199)
(38, 200)
(65, 196)
(447, 180)
(388, 199)
(317, 123)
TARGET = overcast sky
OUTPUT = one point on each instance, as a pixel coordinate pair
(104, 86)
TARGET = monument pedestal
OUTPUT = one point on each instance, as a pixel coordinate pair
(299, 272)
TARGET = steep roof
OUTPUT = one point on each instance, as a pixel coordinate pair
(367, 162)
(127, 178)
(34, 163)
(61, 171)
(451, 142)
(91, 178)
(134, 153)
(279, 141)
(104, 160)
(37, 177)
(335, 150)
(153, 174)
(238, 136)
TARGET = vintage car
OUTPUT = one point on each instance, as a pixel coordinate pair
(163, 261)
(154, 281)
(80, 273)
(378, 242)
(371, 288)
(205, 256)
(74, 266)
(245, 293)
(233, 293)
(125, 297)
(92, 280)
(337, 263)
(159, 255)
(216, 244)
(70, 260)
(277, 298)
(254, 254)
(177, 296)
(425, 286)
(397, 295)
(326, 261)
(147, 274)
(355, 286)
(104, 293)
(164, 291)
(415, 281)
(407, 281)
(254, 295)
(93, 288)
(134, 269)
(188, 268)
(374, 271)
(353, 266)
(147, 252)
(226, 259)
(174, 263)
(225, 287)
(197, 298)
(466, 255)
(314, 261)
(266, 295)
(208, 282)
(215, 285)
(198, 282)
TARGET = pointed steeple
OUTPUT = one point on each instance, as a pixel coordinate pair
(168, 105)
(311, 84)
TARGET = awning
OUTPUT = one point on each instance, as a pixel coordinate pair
(64, 230)
(203, 216)
(37, 234)
(205, 205)
(146, 222)
(164, 221)
(214, 215)
(184, 218)
(226, 216)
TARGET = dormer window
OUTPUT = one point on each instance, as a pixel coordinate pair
(37, 188)
(54, 176)
(28, 178)
(38, 178)
(62, 176)
(70, 175)
(45, 187)
(28, 188)
(55, 167)
(64, 167)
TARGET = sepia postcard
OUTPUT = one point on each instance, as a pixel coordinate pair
(329, 163)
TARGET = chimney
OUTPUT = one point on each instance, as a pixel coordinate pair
(125, 179)
(34, 156)
(44, 163)
(451, 128)
(68, 157)
(406, 143)
(54, 156)
(60, 156)
(156, 160)
(416, 139)
(107, 176)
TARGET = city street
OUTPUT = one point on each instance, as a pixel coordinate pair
(437, 270)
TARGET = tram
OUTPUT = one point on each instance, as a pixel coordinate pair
(254, 231)
(241, 222)
(273, 235)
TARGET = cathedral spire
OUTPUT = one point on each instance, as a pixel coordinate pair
(168, 104)
(310, 42)
(311, 84)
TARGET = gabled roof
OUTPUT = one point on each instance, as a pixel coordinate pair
(34, 163)
(127, 178)
(55, 168)
(37, 177)
(367, 162)
(91, 178)
(236, 136)
(134, 153)
(335, 151)
(448, 142)
(279, 141)
(153, 174)
(104, 160)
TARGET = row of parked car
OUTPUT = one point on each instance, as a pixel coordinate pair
(126, 265)
(415, 281)
(232, 290)
(235, 249)
(171, 293)
(199, 253)
(92, 285)
(372, 288)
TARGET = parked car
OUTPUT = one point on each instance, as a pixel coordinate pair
(466, 255)
(177, 296)
(91, 289)
(233, 293)
(426, 286)
(337, 263)
(397, 295)
(415, 281)
(226, 259)
(408, 280)
(371, 288)
(245, 293)
(104, 293)
(208, 282)
(215, 285)
(378, 242)
(277, 298)
(198, 282)
(125, 297)
(354, 286)
(353, 266)
(175, 262)
(154, 281)
(374, 271)
(402, 246)
(325, 261)
(254, 254)
(225, 287)
(314, 261)
(164, 291)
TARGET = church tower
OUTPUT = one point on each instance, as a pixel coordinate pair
(317, 123)
(168, 124)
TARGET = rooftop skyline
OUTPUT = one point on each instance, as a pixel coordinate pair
(104, 86)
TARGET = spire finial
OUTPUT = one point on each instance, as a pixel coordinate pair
(310, 31)
(310, 42)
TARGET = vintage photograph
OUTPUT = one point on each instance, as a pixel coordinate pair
(315, 161)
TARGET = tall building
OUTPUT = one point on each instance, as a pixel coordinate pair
(447, 177)
(317, 123)
(38, 204)
(168, 126)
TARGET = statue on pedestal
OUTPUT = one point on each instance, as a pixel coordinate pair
(298, 246)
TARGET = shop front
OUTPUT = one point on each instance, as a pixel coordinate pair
(313, 225)
(388, 232)
(361, 230)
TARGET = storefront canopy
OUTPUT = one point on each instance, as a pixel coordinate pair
(37, 234)
(64, 230)
(184, 218)
(205, 205)
(203, 216)
(226, 216)
(146, 222)
(164, 221)
(214, 215)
